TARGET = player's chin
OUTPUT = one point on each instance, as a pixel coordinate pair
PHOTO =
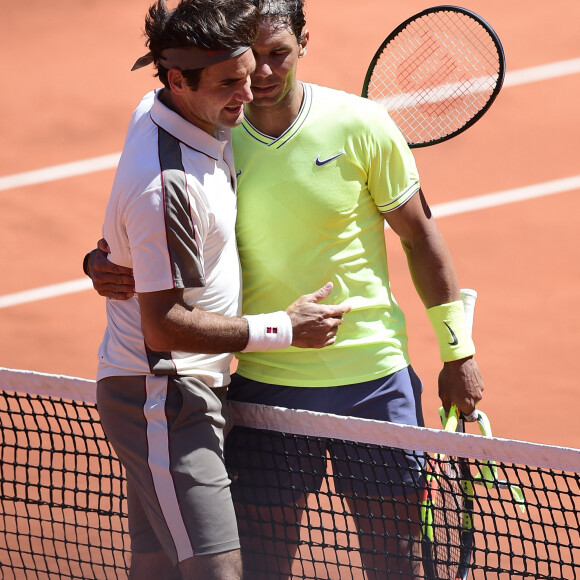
(233, 115)
(263, 99)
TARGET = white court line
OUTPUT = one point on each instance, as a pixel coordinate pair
(439, 210)
(542, 72)
(513, 78)
(504, 197)
(45, 292)
(60, 171)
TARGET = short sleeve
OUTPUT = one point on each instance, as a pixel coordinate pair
(164, 241)
(392, 172)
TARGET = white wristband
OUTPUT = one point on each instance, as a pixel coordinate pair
(269, 331)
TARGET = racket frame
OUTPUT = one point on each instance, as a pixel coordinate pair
(501, 72)
(466, 534)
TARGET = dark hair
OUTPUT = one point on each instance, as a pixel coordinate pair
(290, 12)
(210, 24)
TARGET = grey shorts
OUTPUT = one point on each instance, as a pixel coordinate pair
(281, 469)
(168, 433)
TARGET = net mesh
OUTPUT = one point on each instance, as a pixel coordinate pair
(318, 505)
(63, 512)
(436, 75)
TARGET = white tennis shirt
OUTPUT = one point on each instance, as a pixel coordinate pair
(171, 217)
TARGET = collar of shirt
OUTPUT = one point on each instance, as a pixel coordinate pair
(187, 133)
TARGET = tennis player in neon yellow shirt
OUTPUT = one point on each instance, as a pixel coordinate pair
(319, 172)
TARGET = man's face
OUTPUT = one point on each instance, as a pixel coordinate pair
(219, 99)
(276, 51)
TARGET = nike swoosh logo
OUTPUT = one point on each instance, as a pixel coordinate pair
(320, 163)
(239, 173)
(454, 342)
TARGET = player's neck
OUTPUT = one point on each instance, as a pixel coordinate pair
(275, 119)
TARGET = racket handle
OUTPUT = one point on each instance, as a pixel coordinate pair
(472, 417)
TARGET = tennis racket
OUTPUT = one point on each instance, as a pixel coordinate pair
(447, 532)
(437, 73)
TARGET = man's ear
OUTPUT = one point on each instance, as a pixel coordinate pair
(176, 80)
(304, 44)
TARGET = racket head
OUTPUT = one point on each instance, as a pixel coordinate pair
(437, 73)
(447, 540)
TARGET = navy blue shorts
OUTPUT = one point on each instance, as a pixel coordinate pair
(281, 469)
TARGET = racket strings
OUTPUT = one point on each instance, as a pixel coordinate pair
(436, 75)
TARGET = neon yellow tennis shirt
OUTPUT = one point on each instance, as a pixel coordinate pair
(309, 212)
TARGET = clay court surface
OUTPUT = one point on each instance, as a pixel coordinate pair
(68, 94)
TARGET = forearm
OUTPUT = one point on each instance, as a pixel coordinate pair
(186, 329)
(435, 279)
(436, 282)
(431, 268)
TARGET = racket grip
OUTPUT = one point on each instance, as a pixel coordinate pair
(472, 417)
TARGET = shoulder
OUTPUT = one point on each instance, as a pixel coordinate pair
(365, 123)
(143, 109)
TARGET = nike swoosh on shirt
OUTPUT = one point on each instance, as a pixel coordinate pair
(454, 342)
(239, 173)
(320, 162)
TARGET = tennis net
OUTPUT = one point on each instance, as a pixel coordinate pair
(317, 506)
